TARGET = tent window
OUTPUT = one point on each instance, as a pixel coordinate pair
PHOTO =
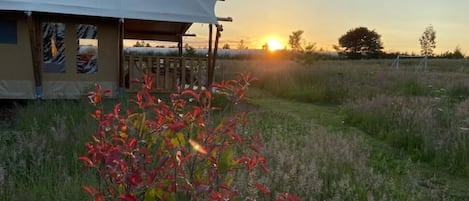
(8, 32)
(53, 47)
(87, 53)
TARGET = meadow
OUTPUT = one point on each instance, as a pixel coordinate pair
(333, 130)
(414, 122)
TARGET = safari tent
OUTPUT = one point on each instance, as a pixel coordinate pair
(58, 49)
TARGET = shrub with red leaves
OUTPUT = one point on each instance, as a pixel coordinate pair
(171, 151)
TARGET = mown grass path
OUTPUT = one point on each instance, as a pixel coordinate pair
(383, 158)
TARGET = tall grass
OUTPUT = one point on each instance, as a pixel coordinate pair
(426, 115)
(39, 158)
(336, 82)
(39, 152)
(318, 164)
(417, 112)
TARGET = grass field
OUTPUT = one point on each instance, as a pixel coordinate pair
(422, 113)
(335, 130)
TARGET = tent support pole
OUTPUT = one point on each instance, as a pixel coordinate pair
(209, 61)
(121, 57)
(215, 51)
(182, 81)
(180, 46)
(35, 54)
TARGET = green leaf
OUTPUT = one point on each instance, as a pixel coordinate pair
(237, 199)
(178, 139)
(229, 180)
(150, 195)
(180, 196)
(225, 161)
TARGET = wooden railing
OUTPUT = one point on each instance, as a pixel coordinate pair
(170, 72)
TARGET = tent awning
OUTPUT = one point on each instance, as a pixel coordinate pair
(155, 30)
(186, 11)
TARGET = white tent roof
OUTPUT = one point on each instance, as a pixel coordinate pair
(189, 11)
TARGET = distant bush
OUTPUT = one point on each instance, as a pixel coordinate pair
(456, 54)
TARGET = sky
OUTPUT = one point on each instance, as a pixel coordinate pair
(400, 23)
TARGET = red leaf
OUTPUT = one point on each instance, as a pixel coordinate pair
(264, 169)
(208, 94)
(288, 197)
(242, 159)
(91, 94)
(117, 108)
(197, 111)
(262, 188)
(90, 190)
(236, 137)
(111, 191)
(107, 92)
(135, 179)
(252, 163)
(254, 148)
(99, 197)
(175, 127)
(216, 196)
(191, 93)
(97, 114)
(128, 197)
(148, 79)
(132, 143)
(139, 97)
(88, 162)
(261, 159)
(224, 186)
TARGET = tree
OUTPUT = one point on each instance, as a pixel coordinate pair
(427, 41)
(309, 54)
(303, 52)
(265, 46)
(457, 54)
(242, 46)
(295, 40)
(226, 46)
(190, 51)
(360, 43)
(139, 44)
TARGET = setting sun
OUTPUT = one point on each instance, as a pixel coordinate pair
(274, 45)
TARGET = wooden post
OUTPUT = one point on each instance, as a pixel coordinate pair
(181, 67)
(131, 71)
(35, 54)
(166, 74)
(199, 69)
(157, 73)
(209, 61)
(215, 50)
(121, 70)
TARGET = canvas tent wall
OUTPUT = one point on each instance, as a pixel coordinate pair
(58, 26)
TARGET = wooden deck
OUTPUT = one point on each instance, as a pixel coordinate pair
(171, 72)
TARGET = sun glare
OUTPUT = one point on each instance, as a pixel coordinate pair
(274, 45)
